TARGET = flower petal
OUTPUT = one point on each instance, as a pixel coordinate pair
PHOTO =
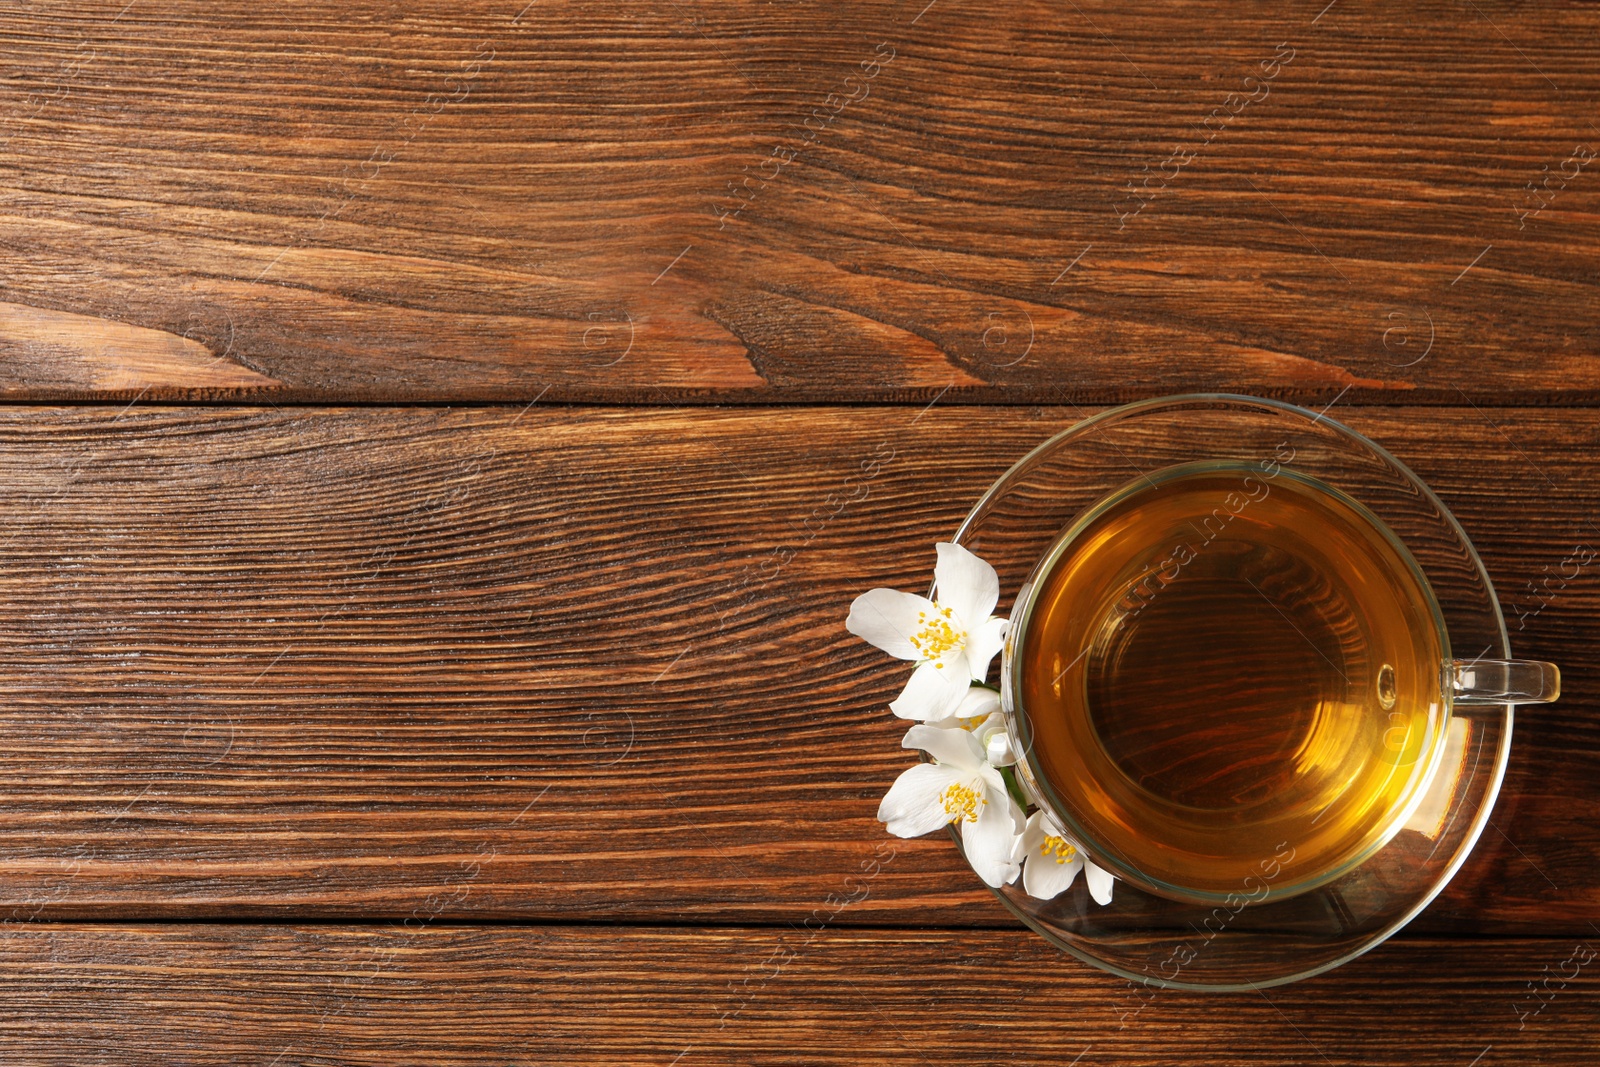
(991, 842)
(965, 584)
(1099, 881)
(995, 783)
(950, 745)
(1032, 836)
(1045, 875)
(983, 641)
(979, 703)
(886, 619)
(912, 806)
(933, 693)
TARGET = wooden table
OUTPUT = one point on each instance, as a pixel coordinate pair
(444, 440)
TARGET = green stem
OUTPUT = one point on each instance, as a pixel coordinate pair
(1015, 788)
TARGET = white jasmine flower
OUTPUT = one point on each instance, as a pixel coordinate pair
(960, 787)
(952, 638)
(1050, 862)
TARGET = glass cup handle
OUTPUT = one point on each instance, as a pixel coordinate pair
(1481, 682)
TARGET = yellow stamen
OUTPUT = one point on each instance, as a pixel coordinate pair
(936, 637)
(1060, 847)
(961, 802)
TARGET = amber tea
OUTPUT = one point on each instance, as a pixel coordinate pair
(1225, 665)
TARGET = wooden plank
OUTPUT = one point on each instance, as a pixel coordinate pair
(561, 663)
(317, 995)
(485, 200)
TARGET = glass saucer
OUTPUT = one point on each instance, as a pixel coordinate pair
(1271, 939)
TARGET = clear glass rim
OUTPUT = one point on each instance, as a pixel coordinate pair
(1502, 756)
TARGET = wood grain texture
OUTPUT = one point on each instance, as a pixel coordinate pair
(84, 353)
(729, 201)
(569, 663)
(290, 997)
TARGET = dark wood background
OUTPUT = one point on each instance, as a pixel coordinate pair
(432, 457)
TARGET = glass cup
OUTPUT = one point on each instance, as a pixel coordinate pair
(1278, 924)
(1188, 781)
